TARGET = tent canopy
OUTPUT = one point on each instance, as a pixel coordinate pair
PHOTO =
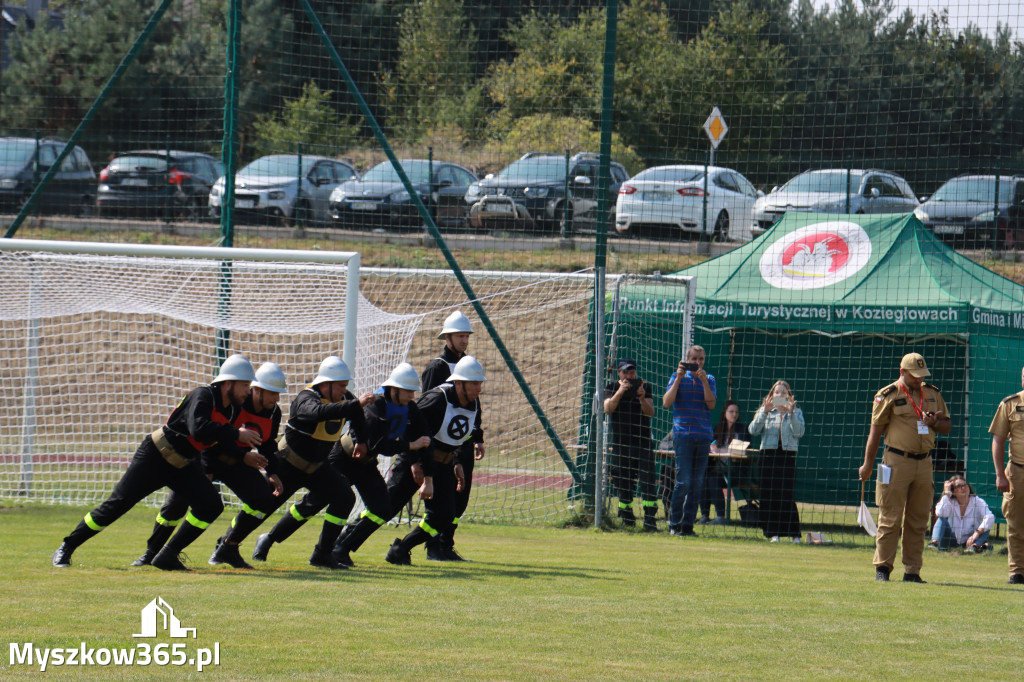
(831, 303)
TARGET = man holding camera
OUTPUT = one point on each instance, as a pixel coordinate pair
(691, 395)
(1009, 423)
(629, 406)
(909, 412)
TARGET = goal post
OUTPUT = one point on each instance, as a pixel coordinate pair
(102, 340)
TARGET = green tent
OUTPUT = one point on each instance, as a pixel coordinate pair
(830, 304)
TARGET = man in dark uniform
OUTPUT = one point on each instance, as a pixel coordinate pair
(170, 457)
(238, 467)
(1008, 422)
(455, 333)
(453, 417)
(394, 427)
(316, 419)
(629, 406)
(908, 412)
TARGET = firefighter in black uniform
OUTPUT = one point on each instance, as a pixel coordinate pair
(170, 457)
(394, 427)
(316, 419)
(455, 333)
(453, 416)
(238, 467)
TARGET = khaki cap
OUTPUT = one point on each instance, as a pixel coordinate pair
(914, 363)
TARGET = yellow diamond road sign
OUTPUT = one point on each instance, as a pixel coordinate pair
(715, 127)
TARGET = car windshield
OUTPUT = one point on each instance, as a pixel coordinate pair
(833, 182)
(417, 172)
(125, 164)
(16, 152)
(535, 169)
(282, 164)
(668, 174)
(972, 189)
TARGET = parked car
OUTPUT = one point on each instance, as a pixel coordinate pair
(23, 163)
(530, 193)
(157, 183)
(275, 188)
(962, 210)
(835, 190)
(378, 199)
(671, 198)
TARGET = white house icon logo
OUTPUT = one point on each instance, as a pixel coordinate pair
(158, 611)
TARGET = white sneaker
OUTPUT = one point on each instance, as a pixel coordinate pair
(796, 541)
(775, 538)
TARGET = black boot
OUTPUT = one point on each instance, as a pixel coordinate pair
(436, 549)
(626, 516)
(241, 526)
(167, 558)
(161, 532)
(324, 547)
(227, 553)
(62, 555)
(398, 556)
(351, 539)
(650, 512)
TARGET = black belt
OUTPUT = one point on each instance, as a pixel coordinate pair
(1016, 465)
(903, 453)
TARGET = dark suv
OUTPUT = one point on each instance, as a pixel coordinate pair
(531, 194)
(23, 163)
(158, 183)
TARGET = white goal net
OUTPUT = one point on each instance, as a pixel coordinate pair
(98, 349)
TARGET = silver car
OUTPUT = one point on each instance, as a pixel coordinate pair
(275, 188)
(835, 190)
(962, 211)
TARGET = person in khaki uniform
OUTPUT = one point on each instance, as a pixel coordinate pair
(908, 412)
(1009, 422)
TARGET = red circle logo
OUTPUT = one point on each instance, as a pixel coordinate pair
(821, 252)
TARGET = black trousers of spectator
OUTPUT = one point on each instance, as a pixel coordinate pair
(714, 483)
(777, 478)
(629, 465)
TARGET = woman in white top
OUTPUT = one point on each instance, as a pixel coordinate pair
(964, 520)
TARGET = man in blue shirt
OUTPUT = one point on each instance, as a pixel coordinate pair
(691, 395)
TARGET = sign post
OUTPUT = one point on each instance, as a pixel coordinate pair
(716, 129)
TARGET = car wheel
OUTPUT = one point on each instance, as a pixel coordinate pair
(721, 233)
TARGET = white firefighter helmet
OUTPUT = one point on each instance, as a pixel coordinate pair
(235, 368)
(332, 368)
(404, 376)
(454, 323)
(269, 377)
(468, 369)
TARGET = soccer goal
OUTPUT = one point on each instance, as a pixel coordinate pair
(101, 341)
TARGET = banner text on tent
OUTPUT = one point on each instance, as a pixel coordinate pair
(826, 313)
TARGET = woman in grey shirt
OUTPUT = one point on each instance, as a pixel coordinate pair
(781, 425)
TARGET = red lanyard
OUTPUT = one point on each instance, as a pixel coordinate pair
(918, 410)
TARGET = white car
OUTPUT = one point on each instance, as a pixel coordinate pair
(672, 197)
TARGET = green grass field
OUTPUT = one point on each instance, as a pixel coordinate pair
(534, 603)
